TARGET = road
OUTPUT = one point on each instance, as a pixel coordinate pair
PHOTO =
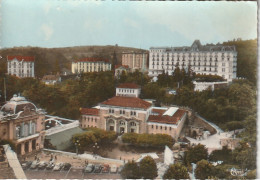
(73, 173)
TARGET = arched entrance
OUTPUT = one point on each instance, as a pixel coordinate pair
(122, 126)
(111, 125)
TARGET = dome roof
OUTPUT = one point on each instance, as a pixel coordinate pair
(17, 104)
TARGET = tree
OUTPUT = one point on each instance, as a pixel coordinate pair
(148, 168)
(233, 125)
(130, 171)
(224, 155)
(203, 170)
(195, 154)
(176, 171)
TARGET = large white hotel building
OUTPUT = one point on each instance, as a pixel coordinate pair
(21, 66)
(208, 59)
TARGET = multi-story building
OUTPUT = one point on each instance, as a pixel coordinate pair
(23, 123)
(208, 59)
(21, 66)
(126, 112)
(135, 60)
(90, 65)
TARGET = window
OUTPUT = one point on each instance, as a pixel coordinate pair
(156, 127)
(111, 111)
(161, 127)
(223, 69)
(132, 124)
(170, 128)
(165, 128)
(133, 113)
(152, 126)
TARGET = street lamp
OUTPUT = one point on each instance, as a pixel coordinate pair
(96, 147)
(77, 144)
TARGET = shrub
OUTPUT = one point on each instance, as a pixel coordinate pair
(130, 171)
(176, 171)
(153, 140)
(148, 168)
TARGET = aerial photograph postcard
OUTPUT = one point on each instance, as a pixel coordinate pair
(128, 89)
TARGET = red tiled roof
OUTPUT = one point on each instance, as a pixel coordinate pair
(123, 101)
(92, 59)
(20, 58)
(129, 85)
(118, 66)
(167, 119)
(159, 111)
(89, 111)
(50, 77)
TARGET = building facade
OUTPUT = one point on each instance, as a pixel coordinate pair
(51, 79)
(90, 65)
(119, 69)
(23, 123)
(21, 66)
(208, 59)
(201, 86)
(135, 60)
(127, 113)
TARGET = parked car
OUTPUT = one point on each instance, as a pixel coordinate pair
(89, 168)
(97, 168)
(42, 165)
(113, 169)
(34, 165)
(105, 168)
(120, 168)
(26, 165)
(58, 167)
(66, 166)
(50, 166)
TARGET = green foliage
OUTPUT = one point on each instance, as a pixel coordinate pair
(246, 58)
(148, 168)
(130, 171)
(224, 155)
(176, 171)
(153, 140)
(233, 125)
(204, 169)
(93, 135)
(208, 78)
(223, 171)
(251, 174)
(195, 154)
(245, 156)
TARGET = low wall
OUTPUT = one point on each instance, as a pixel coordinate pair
(204, 123)
(89, 157)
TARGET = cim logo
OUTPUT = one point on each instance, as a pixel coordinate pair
(238, 172)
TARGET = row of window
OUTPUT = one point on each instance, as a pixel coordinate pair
(189, 59)
(161, 127)
(191, 54)
(121, 122)
(90, 119)
(25, 129)
(132, 113)
(126, 90)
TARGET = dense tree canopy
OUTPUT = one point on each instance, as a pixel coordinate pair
(195, 154)
(130, 171)
(148, 168)
(176, 171)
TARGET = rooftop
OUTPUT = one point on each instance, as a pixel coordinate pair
(118, 66)
(50, 77)
(21, 58)
(92, 59)
(129, 85)
(170, 116)
(196, 46)
(89, 111)
(123, 101)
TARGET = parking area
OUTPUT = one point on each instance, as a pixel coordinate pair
(72, 173)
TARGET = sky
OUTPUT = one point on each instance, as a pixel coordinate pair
(139, 24)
